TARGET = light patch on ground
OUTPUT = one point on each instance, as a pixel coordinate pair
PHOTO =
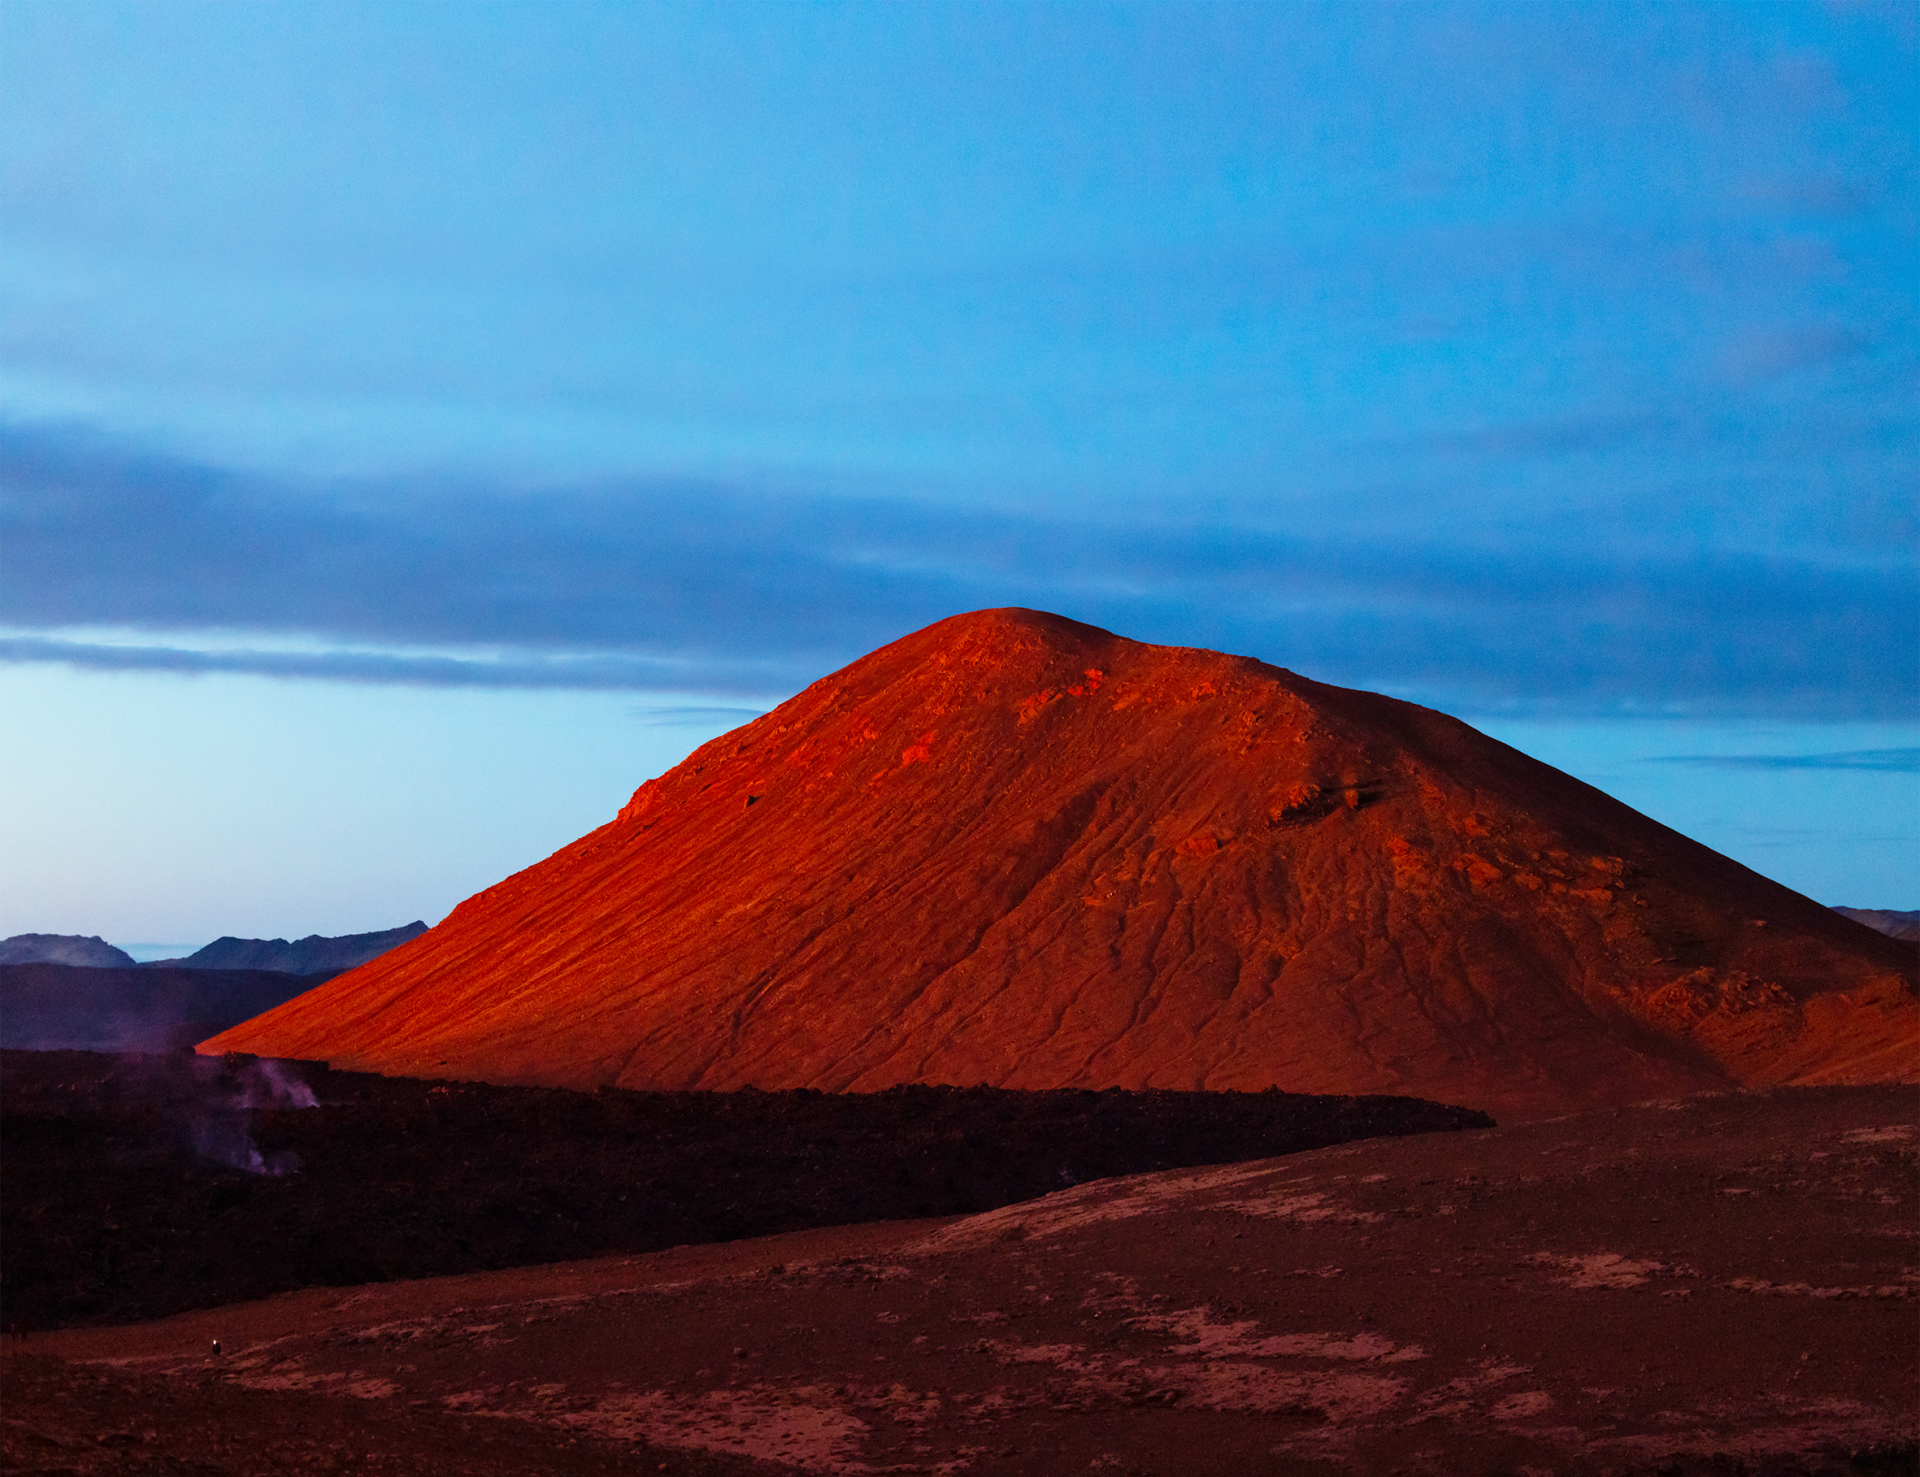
(1602, 1269)
(292, 1375)
(1309, 1207)
(1207, 1338)
(1523, 1407)
(1903, 1289)
(441, 1329)
(1087, 1205)
(763, 1421)
(1037, 1353)
(910, 1407)
(1892, 1133)
(472, 1399)
(1458, 1396)
(1340, 1397)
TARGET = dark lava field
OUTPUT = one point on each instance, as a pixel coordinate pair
(140, 1186)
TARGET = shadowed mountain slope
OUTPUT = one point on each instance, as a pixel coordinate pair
(1015, 850)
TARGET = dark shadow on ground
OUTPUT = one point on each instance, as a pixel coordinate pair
(138, 1186)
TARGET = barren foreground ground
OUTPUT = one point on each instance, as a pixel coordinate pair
(1718, 1285)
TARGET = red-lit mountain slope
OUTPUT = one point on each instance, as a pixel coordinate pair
(1016, 850)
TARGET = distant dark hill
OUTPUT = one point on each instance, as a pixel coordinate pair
(63, 948)
(65, 1007)
(310, 955)
(1015, 850)
(1890, 921)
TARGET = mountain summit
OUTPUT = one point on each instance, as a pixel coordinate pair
(1017, 850)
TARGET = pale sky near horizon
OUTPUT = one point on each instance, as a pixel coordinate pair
(420, 424)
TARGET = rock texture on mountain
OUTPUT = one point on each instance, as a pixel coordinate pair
(1893, 922)
(91, 952)
(1016, 850)
(313, 954)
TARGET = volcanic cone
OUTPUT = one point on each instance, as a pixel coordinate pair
(1016, 850)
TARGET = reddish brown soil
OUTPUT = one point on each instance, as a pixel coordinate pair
(87, 1422)
(1723, 1285)
(1015, 850)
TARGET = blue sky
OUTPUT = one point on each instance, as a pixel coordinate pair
(419, 424)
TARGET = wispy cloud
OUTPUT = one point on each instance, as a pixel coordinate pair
(1897, 761)
(610, 671)
(695, 717)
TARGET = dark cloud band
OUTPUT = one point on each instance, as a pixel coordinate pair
(683, 587)
(599, 672)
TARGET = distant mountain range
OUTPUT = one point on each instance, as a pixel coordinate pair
(310, 955)
(313, 954)
(1892, 921)
(64, 992)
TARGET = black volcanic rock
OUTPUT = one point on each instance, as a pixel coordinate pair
(1893, 922)
(65, 1007)
(121, 1205)
(63, 948)
(313, 954)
